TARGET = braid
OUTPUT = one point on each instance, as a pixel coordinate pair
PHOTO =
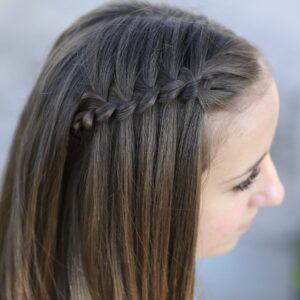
(94, 109)
(223, 75)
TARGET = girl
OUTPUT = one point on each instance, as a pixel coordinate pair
(144, 144)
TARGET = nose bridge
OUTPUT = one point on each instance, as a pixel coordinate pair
(274, 188)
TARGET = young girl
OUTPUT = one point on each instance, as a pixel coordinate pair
(144, 144)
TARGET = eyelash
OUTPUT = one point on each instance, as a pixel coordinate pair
(248, 182)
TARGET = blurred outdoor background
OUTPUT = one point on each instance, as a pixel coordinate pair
(263, 266)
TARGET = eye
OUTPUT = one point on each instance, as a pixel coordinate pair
(248, 182)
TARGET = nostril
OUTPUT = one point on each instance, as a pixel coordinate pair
(273, 195)
(259, 200)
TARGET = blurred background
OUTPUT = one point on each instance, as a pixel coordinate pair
(265, 264)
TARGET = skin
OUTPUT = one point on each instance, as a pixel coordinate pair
(249, 135)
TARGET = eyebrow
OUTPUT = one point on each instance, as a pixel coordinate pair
(249, 169)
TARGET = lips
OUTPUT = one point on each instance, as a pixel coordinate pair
(246, 226)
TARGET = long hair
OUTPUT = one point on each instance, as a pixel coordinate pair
(100, 196)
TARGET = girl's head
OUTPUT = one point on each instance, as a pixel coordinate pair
(131, 156)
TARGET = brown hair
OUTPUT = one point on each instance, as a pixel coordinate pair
(100, 195)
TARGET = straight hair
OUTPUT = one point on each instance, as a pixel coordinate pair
(101, 192)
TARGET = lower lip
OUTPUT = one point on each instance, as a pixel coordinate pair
(245, 227)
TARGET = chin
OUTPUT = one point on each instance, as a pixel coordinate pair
(226, 248)
(220, 250)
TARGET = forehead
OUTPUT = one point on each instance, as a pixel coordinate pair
(239, 139)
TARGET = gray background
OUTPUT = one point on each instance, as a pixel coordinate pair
(262, 264)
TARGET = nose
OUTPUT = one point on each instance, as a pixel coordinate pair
(271, 191)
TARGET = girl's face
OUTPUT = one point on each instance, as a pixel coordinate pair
(242, 177)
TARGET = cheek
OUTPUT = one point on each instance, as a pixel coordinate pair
(220, 217)
(224, 214)
(221, 224)
(218, 227)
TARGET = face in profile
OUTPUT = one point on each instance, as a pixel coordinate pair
(242, 177)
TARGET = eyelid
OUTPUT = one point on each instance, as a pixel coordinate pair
(255, 172)
(250, 170)
(247, 182)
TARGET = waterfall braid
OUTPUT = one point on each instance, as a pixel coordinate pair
(100, 197)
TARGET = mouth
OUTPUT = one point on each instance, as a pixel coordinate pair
(245, 227)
